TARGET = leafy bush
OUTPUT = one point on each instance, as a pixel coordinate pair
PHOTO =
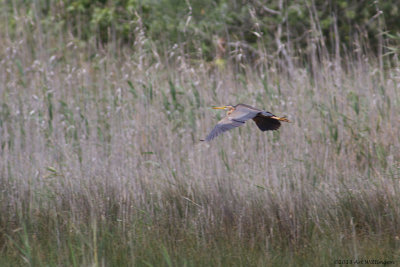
(196, 25)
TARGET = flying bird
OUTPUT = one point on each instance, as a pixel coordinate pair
(239, 114)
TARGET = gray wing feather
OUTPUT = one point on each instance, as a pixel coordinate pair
(244, 113)
(267, 114)
(222, 126)
(237, 118)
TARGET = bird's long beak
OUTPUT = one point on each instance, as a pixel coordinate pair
(224, 107)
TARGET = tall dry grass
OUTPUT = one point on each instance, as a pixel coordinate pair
(101, 163)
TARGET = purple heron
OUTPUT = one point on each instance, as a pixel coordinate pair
(239, 114)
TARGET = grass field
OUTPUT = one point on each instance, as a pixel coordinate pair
(101, 164)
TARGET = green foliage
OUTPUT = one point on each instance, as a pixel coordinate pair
(196, 25)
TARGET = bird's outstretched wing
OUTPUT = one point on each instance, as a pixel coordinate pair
(222, 126)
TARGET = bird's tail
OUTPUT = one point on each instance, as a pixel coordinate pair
(280, 118)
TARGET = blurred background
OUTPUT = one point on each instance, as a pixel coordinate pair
(103, 104)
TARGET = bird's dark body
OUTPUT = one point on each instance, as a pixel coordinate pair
(266, 124)
(239, 114)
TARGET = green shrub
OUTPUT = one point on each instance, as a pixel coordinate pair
(195, 25)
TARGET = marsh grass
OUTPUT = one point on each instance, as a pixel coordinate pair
(101, 163)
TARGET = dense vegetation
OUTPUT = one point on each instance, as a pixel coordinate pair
(196, 26)
(102, 104)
